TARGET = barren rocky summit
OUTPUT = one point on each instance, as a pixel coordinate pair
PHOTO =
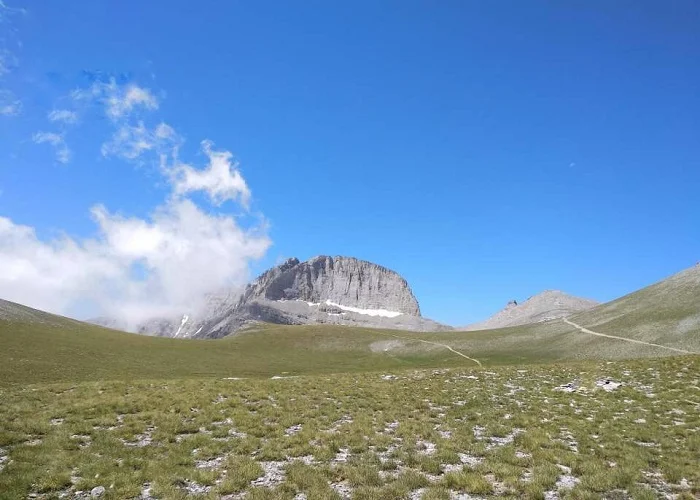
(327, 290)
(346, 281)
(546, 306)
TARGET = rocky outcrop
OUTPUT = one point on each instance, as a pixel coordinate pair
(546, 306)
(345, 281)
(322, 290)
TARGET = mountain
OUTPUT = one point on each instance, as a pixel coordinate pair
(322, 290)
(17, 313)
(667, 313)
(36, 346)
(546, 306)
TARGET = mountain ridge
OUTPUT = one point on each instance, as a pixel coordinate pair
(336, 290)
(547, 305)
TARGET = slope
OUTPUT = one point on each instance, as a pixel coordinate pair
(51, 348)
(666, 313)
(41, 347)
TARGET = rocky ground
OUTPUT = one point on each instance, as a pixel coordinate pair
(592, 430)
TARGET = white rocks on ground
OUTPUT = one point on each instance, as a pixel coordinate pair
(97, 491)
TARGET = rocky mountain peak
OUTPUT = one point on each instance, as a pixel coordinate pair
(323, 289)
(545, 306)
(345, 281)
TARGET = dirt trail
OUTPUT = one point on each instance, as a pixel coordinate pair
(586, 330)
(438, 344)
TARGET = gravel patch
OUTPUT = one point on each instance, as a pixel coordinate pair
(273, 474)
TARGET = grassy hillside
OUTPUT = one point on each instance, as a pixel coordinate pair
(666, 313)
(38, 347)
(40, 352)
(417, 434)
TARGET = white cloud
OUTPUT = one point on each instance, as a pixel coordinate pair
(221, 179)
(119, 100)
(9, 104)
(8, 62)
(48, 275)
(63, 116)
(136, 268)
(63, 153)
(130, 142)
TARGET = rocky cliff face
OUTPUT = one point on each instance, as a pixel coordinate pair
(344, 281)
(330, 290)
(546, 306)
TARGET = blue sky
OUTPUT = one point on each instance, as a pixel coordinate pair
(485, 150)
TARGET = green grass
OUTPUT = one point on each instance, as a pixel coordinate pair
(51, 348)
(667, 313)
(502, 431)
(366, 414)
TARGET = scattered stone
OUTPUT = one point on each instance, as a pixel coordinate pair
(567, 482)
(213, 463)
(290, 431)
(646, 444)
(426, 448)
(273, 474)
(389, 377)
(342, 489)
(607, 384)
(470, 460)
(447, 468)
(194, 488)
(142, 440)
(570, 387)
(237, 434)
(342, 456)
(416, 494)
(496, 441)
(306, 459)
(445, 434)
(56, 421)
(391, 427)
(85, 440)
(97, 491)
(219, 423)
(146, 492)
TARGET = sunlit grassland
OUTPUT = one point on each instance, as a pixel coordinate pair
(405, 433)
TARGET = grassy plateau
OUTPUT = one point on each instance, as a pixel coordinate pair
(542, 411)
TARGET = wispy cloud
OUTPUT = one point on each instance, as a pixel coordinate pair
(130, 142)
(63, 116)
(119, 100)
(10, 105)
(120, 103)
(63, 153)
(220, 179)
(138, 268)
